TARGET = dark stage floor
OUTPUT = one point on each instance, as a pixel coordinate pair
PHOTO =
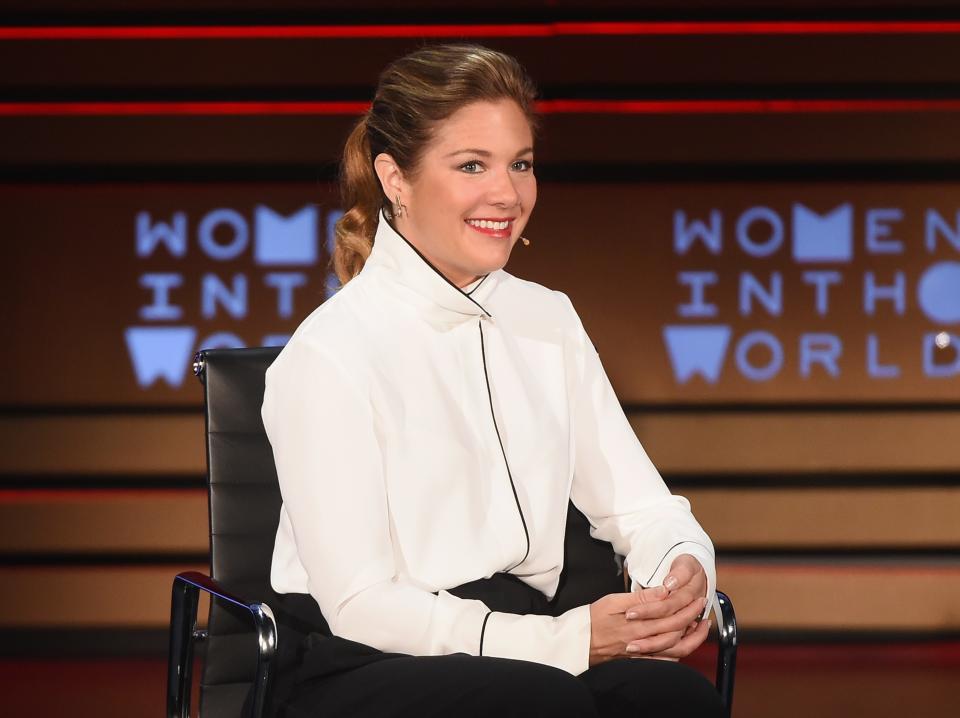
(915, 680)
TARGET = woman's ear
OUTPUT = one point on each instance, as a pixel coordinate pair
(390, 175)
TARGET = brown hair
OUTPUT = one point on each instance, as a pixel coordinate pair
(413, 94)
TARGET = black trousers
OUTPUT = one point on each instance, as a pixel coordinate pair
(462, 686)
(337, 678)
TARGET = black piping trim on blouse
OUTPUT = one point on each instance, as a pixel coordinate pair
(513, 486)
(478, 285)
(483, 630)
(442, 275)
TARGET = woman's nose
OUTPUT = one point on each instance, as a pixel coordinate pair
(502, 190)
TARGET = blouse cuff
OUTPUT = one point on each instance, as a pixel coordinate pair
(562, 642)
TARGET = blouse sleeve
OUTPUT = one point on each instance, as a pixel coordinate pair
(320, 424)
(617, 486)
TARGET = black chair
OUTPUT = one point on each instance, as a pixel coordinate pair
(240, 675)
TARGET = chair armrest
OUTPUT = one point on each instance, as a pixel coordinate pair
(727, 650)
(183, 620)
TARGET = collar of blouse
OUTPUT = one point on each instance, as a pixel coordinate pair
(423, 284)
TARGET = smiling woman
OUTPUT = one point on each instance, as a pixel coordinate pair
(472, 191)
(446, 149)
(431, 424)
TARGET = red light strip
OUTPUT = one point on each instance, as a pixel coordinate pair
(118, 109)
(554, 29)
(547, 107)
(743, 107)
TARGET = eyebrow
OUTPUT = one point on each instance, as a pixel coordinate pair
(486, 153)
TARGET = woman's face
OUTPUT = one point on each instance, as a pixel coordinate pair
(473, 191)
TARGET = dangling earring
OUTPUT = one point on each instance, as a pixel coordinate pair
(400, 208)
(526, 242)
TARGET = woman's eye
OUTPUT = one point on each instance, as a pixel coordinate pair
(471, 167)
(522, 165)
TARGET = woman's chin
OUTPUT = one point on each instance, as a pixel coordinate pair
(495, 260)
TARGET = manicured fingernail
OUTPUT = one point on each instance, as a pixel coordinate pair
(670, 583)
(631, 615)
(631, 649)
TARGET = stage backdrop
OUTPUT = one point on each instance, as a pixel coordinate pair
(693, 293)
(753, 206)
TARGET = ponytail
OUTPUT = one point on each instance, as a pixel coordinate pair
(361, 194)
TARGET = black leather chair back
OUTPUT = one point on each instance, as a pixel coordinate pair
(244, 514)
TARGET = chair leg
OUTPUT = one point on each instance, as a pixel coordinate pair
(266, 626)
(183, 619)
(727, 649)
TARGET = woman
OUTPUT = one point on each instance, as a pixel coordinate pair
(431, 422)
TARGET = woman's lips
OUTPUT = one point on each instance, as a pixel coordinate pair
(492, 228)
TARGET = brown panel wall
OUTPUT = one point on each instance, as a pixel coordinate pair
(760, 444)
(83, 523)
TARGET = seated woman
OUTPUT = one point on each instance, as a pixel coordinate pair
(431, 422)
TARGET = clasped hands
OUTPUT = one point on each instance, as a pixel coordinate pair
(659, 622)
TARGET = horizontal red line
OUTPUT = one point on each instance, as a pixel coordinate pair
(38, 109)
(744, 107)
(552, 29)
(823, 27)
(547, 107)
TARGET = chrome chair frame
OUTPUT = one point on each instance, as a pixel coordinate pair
(183, 632)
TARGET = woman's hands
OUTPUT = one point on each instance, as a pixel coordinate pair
(659, 622)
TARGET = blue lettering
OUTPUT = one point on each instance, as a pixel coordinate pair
(771, 299)
(822, 349)
(759, 373)
(697, 349)
(232, 299)
(879, 230)
(821, 281)
(285, 240)
(697, 307)
(160, 353)
(874, 368)
(761, 248)
(684, 235)
(172, 236)
(936, 224)
(873, 292)
(938, 292)
(823, 237)
(161, 309)
(231, 249)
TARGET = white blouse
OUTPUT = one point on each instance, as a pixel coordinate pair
(427, 436)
